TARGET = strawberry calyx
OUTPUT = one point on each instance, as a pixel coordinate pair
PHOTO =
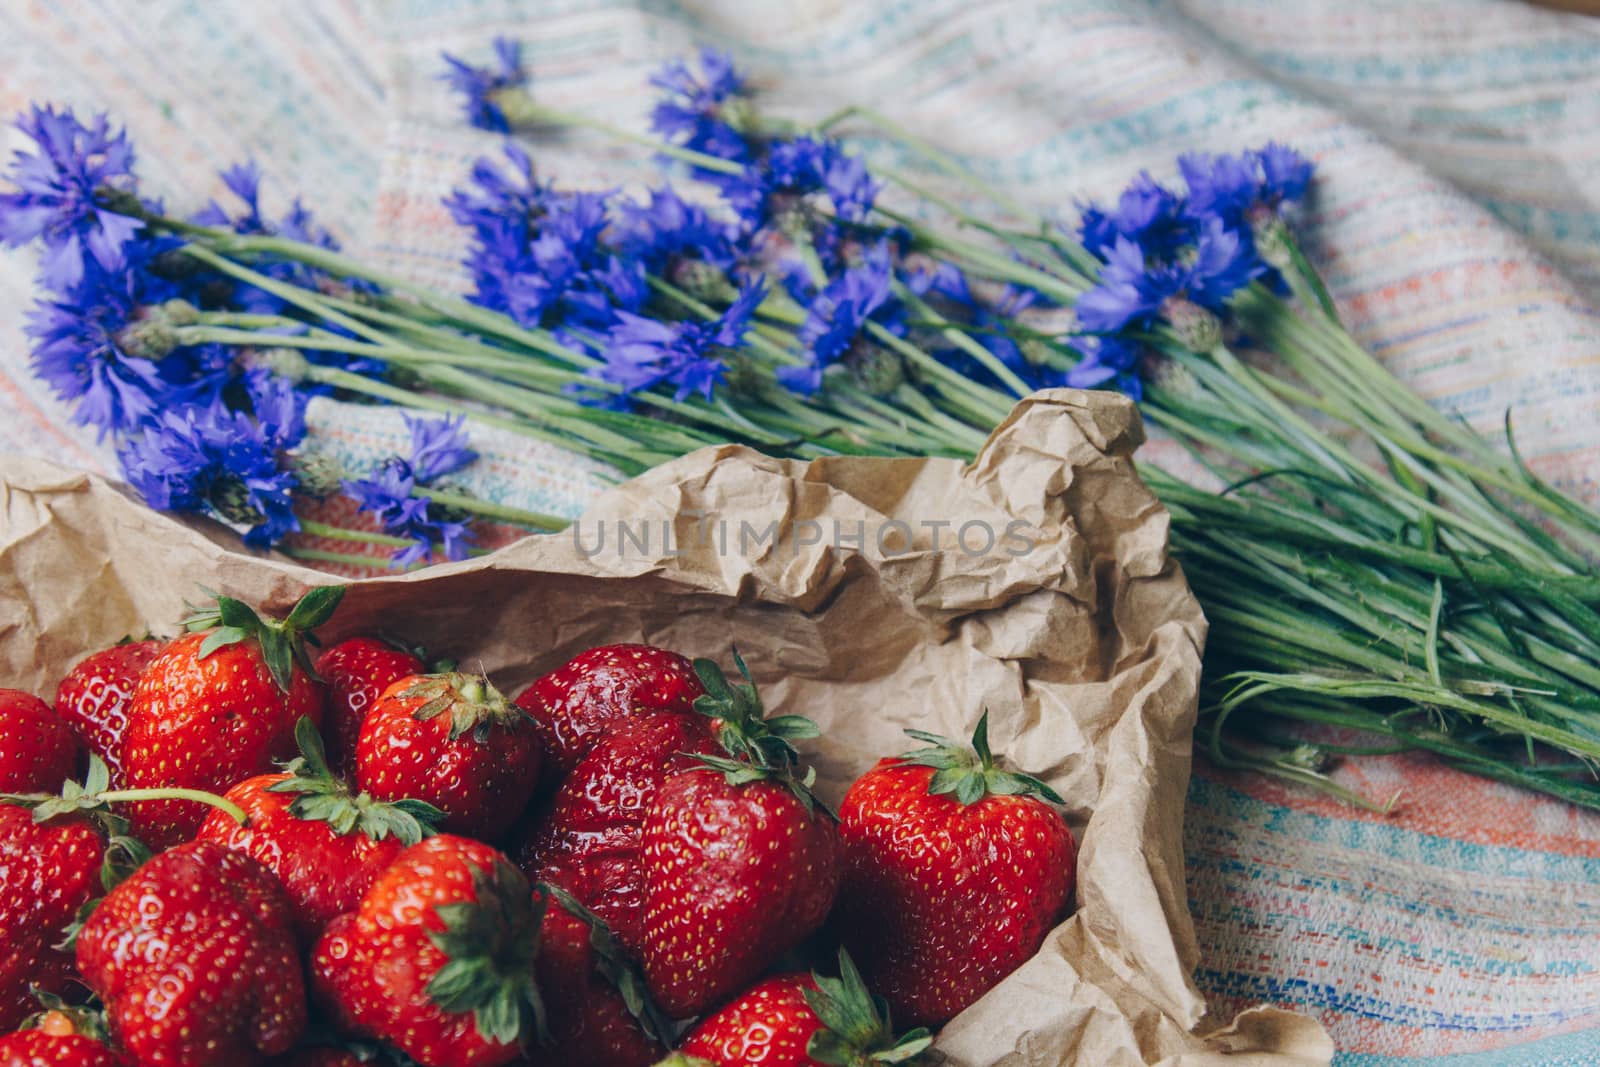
(759, 748)
(282, 641)
(678, 1059)
(122, 856)
(475, 706)
(491, 943)
(60, 1019)
(612, 963)
(745, 731)
(969, 771)
(324, 797)
(856, 1029)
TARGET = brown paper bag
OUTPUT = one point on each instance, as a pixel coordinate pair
(871, 595)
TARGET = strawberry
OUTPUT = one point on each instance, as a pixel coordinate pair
(575, 703)
(595, 1002)
(740, 863)
(954, 872)
(194, 957)
(93, 697)
(451, 740)
(58, 854)
(804, 1020)
(438, 958)
(219, 705)
(325, 844)
(37, 748)
(589, 842)
(47, 872)
(45, 1047)
(358, 670)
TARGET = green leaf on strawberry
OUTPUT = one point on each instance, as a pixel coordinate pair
(856, 1028)
(613, 964)
(283, 643)
(491, 943)
(324, 797)
(969, 772)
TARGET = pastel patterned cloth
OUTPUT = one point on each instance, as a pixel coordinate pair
(1457, 218)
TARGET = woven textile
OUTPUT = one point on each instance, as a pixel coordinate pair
(1457, 218)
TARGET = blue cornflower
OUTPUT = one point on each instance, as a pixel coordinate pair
(56, 201)
(1233, 187)
(692, 113)
(438, 447)
(1109, 359)
(642, 353)
(1129, 292)
(1146, 214)
(389, 493)
(80, 351)
(670, 229)
(1224, 262)
(480, 86)
(1134, 290)
(539, 255)
(1285, 173)
(796, 168)
(243, 181)
(851, 189)
(837, 315)
(278, 406)
(192, 458)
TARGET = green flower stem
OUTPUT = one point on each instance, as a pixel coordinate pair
(522, 110)
(927, 150)
(318, 555)
(344, 533)
(490, 510)
(356, 383)
(984, 261)
(295, 295)
(960, 390)
(987, 359)
(128, 796)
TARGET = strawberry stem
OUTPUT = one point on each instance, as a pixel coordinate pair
(94, 794)
(234, 811)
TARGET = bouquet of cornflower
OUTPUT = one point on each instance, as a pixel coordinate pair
(1366, 562)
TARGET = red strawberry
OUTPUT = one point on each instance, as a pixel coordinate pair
(93, 697)
(438, 959)
(804, 1020)
(589, 842)
(954, 872)
(455, 742)
(740, 863)
(47, 872)
(43, 1047)
(325, 844)
(58, 852)
(581, 972)
(37, 748)
(575, 703)
(216, 707)
(357, 671)
(194, 956)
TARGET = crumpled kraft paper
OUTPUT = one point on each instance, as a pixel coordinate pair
(869, 594)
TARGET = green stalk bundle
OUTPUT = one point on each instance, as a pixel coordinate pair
(1367, 563)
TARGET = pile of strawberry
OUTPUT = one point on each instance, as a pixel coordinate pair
(367, 859)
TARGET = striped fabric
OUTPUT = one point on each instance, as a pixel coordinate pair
(1457, 218)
